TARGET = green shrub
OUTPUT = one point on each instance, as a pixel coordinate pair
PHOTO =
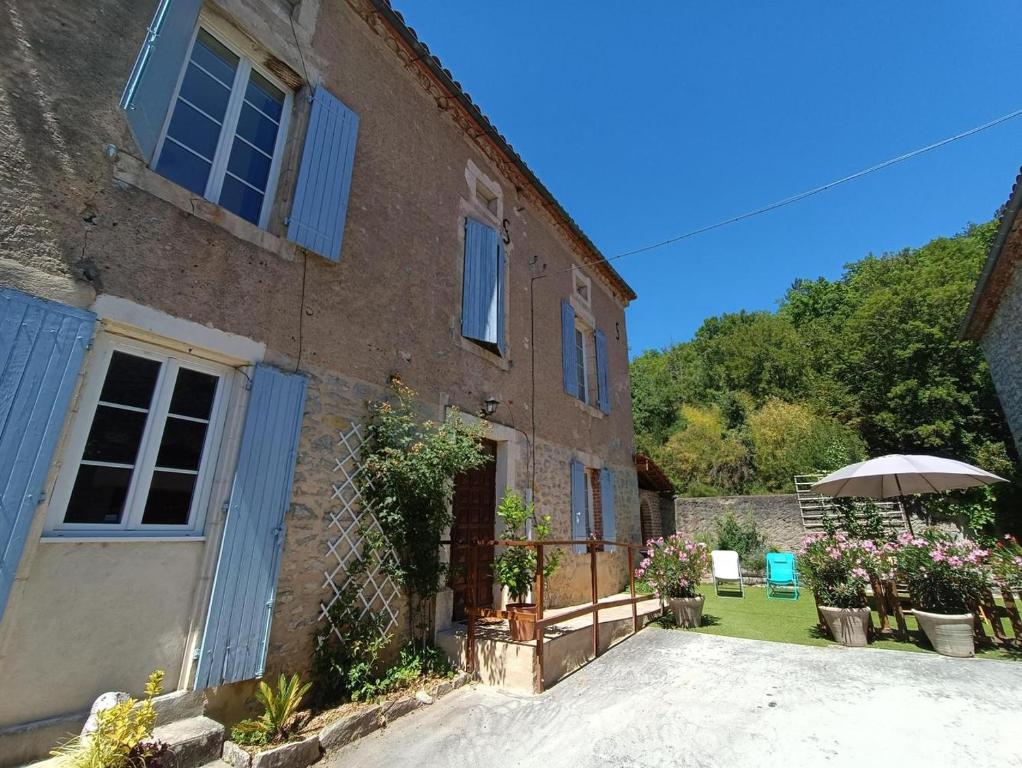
(122, 735)
(346, 649)
(743, 537)
(279, 720)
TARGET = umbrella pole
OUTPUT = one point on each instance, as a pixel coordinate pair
(904, 509)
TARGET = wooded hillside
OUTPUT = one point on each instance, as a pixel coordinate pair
(861, 366)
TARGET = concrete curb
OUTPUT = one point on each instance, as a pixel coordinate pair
(300, 754)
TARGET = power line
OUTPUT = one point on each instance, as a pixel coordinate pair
(815, 190)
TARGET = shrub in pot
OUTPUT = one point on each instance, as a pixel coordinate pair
(837, 570)
(672, 570)
(945, 579)
(515, 567)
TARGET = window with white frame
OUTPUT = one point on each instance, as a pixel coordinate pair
(141, 455)
(581, 286)
(582, 363)
(226, 128)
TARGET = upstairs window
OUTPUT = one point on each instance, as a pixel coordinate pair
(143, 454)
(226, 129)
(581, 365)
(482, 301)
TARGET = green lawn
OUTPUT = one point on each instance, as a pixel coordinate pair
(789, 621)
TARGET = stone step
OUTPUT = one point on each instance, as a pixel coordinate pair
(217, 764)
(194, 742)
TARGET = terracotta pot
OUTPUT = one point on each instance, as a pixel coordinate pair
(522, 629)
(688, 611)
(848, 626)
(949, 634)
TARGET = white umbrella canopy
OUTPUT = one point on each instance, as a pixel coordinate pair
(888, 477)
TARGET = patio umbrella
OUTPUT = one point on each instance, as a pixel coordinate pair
(894, 476)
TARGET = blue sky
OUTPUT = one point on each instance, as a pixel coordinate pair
(650, 120)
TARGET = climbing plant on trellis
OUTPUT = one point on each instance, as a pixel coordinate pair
(350, 522)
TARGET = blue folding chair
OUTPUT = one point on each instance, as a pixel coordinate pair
(781, 576)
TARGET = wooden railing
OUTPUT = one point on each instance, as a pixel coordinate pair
(541, 621)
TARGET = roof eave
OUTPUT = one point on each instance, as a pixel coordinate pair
(985, 296)
(443, 76)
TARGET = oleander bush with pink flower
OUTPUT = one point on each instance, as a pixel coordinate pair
(674, 566)
(837, 568)
(944, 575)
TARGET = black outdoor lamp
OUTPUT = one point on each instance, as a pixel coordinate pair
(490, 405)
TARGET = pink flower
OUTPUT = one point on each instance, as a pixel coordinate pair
(937, 556)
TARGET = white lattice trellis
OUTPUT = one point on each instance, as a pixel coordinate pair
(379, 593)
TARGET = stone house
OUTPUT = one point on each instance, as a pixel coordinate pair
(225, 225)
(994, 318)
(656, 499)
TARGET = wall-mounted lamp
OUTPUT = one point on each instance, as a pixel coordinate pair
(490, 405)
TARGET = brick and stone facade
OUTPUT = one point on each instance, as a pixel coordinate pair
(1002, 347)
(995, 314)
(83, 222)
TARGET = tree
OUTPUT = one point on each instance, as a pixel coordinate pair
(788, 439)
(872, 358)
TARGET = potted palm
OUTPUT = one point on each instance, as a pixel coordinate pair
(515, 567)
(945, 579)
(672, 570)
(837, 569)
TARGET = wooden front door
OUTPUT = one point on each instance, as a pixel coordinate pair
(475, 494)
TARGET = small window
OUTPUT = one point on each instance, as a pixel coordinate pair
(148, 447)
(582, 286)
(487, 197)
(226, 130)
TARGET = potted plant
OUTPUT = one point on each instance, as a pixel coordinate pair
(837, 568)
(515, 567)
(945, 579)
(672, 570)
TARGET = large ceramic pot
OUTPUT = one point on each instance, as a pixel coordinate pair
(688, 611)
(949, 634)
(522, 621)
(848, 626)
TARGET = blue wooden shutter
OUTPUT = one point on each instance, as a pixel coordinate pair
(602, 382)
(150, 86)
(240, 608)
(569, 363)
(324, 177)
(42, 345)
(501, 305)
(607, 506)
(579, 505)
(481, 302)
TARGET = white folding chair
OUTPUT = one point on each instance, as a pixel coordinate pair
(726, 568)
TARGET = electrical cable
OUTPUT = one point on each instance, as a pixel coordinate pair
(803, 195)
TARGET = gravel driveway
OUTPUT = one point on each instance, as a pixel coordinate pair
(671, 698)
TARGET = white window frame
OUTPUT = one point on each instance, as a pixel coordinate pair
(585, 331)
(134, 506)
(242, 48)
(578, 279)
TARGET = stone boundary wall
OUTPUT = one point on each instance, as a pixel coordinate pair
(777, 516)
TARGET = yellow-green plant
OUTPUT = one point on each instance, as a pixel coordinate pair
(279, 719)
(119, 740)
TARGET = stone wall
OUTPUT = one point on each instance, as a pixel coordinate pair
(1002, 346)
(776, 516)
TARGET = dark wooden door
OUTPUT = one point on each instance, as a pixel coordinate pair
(475, 494)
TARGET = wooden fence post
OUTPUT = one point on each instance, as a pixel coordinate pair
(631, 589)
(1012, 610)
(596, 593)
